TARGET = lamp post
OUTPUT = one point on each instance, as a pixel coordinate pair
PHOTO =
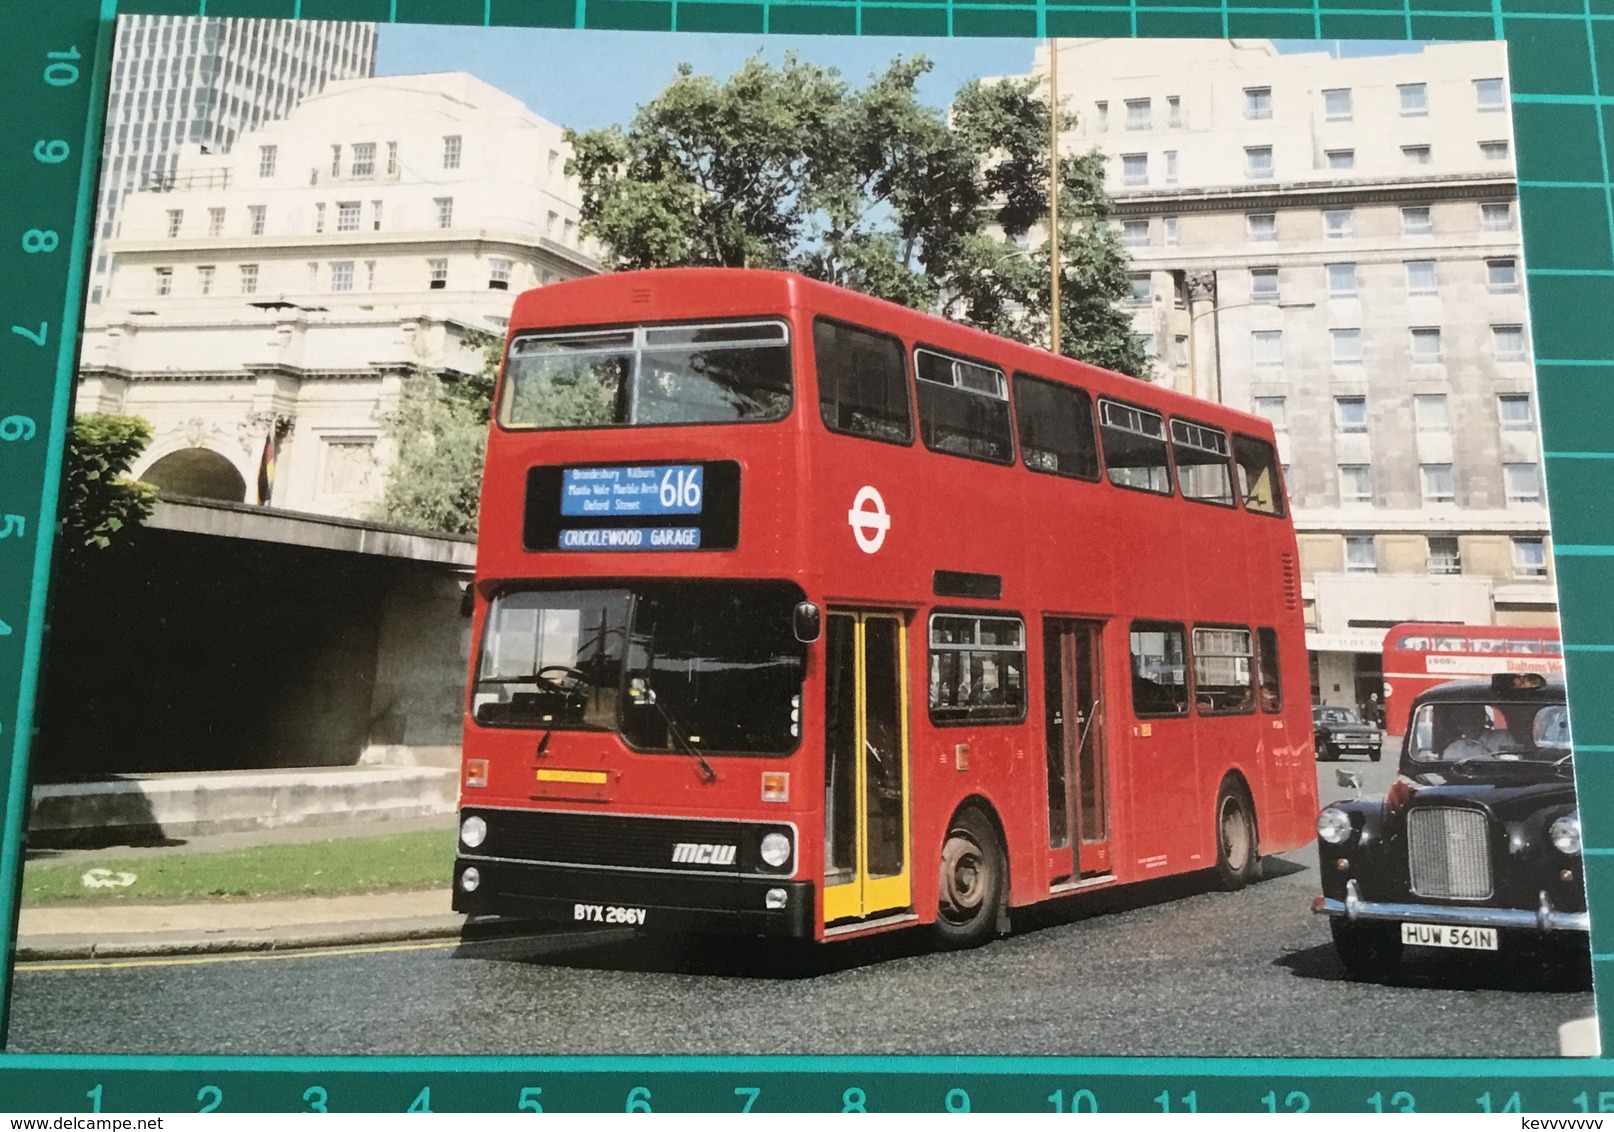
(1206, 284)
(1053, 193)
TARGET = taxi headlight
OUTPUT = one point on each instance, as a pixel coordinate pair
(1334, 826)
(775, 849)
(1565, 833)
(473, 831)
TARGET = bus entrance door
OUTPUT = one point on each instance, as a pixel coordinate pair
(866, 825)
(1078, 761)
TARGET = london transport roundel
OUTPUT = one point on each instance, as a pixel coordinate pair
(868, 519)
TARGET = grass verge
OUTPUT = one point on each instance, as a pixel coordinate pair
(323, 868)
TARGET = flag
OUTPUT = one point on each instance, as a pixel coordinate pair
(266, 468)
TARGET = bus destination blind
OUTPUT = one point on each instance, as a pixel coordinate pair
(630, 507)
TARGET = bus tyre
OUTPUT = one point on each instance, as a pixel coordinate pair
(1367, 951)
(974, 882)
(1238, 856)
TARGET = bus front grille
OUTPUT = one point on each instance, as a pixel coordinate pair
(613, 841)
(1448, 853)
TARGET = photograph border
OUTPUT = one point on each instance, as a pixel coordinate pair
(54, 73)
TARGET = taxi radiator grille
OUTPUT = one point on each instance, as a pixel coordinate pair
(1448, 853)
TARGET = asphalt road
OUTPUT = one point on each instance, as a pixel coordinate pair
(1171, 968)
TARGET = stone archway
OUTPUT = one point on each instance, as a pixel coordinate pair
(198, 472)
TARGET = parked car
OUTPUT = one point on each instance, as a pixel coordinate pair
(1477, 844)
(1340, 730)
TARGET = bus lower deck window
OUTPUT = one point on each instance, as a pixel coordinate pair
(1224, 671)
(977, 669)
(1159, 669)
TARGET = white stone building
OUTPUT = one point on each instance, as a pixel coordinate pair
(1334, 244)
(295, 280)
(179, 80)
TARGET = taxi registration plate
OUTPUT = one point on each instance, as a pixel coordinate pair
(1449, 935)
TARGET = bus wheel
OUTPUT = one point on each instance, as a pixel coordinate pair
(1367, 951)
(973, 883)
(1238, 856)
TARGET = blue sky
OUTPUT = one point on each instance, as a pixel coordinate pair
(587, 79)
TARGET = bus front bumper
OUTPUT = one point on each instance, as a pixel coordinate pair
(596, 897)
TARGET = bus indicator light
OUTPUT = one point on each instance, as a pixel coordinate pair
(775, 786)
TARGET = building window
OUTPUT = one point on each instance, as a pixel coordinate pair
(266, 160)
(336, 160)
(1342, 159)
(1507, 343)
(313, 277)
(554, 162)
(369, 275)
(392, 158)
(1266, 347)
(375, 213)
(1168, 228)
(1257, 162)
(1263, 226)
(1488, 95)
(1529, 558)
(1416, 221)
(204, 280)
(1341, 280)
(1426, 344)
(215, 222)
(1515, 412)
(451, 151)
(1134, 169)
(1496, 216)
(1137, 114)
(176, 217)
(1264, 284)
(1421, 278)
(1494, 150)
(342, 275)
(1171, 166)
(364, 159)
(1179, 350)
(1274, 409)
(445, 211)
(549, 223)
(165, 280)
(1142, 287)
(1444, 555)
(255, 218)
(1417, 154)
(319, 218)
(498, 275)
(1430, 412)
(1101, 116)
(1414, 100)
(1337, 223)
(1360, 554)
(249, 278)
(1346, 346)
(1522, 482)
(1135, 233)
(1173, 111)
(1437, 482)
(1257, 102)
(347, 216)
(438, 273)
(1350, 414)
(1337, 104)
(1502, 275)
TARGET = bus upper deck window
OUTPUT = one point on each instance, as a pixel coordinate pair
(1135, 447)
(1202, 464)
(862, 383)
(1259, 481)
(1056, 428)
(963, 408)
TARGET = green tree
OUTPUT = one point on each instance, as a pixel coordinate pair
(791, 167)
(438, 433)
(100, 504)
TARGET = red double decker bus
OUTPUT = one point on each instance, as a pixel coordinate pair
(800, 613)
(1418, 655)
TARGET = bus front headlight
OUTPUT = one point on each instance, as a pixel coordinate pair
(473, 831)
(1565, 833)
(775, 850)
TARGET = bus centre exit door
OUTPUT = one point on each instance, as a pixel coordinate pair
(1078, 756)
(867, 866)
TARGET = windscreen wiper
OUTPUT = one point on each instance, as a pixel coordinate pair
(681, 744)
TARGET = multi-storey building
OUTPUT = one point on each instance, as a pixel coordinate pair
(1333, 243)
(179, 80)
(295, 281)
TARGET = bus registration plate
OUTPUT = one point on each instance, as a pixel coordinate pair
(1448, 935)
(607, 914)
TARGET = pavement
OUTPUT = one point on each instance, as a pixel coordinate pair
(131, 930)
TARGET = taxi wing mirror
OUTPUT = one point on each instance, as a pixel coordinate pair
(1350, 778)
(807, 622)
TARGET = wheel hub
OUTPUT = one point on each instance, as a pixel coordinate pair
(963, 878)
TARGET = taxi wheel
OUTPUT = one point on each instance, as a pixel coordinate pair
(1238, 854)
(1368, 951)
(974, 882)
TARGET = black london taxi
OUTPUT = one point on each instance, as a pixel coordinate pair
(1476, 846)
(1339, 731)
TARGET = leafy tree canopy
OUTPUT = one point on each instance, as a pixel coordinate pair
(100, 504)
